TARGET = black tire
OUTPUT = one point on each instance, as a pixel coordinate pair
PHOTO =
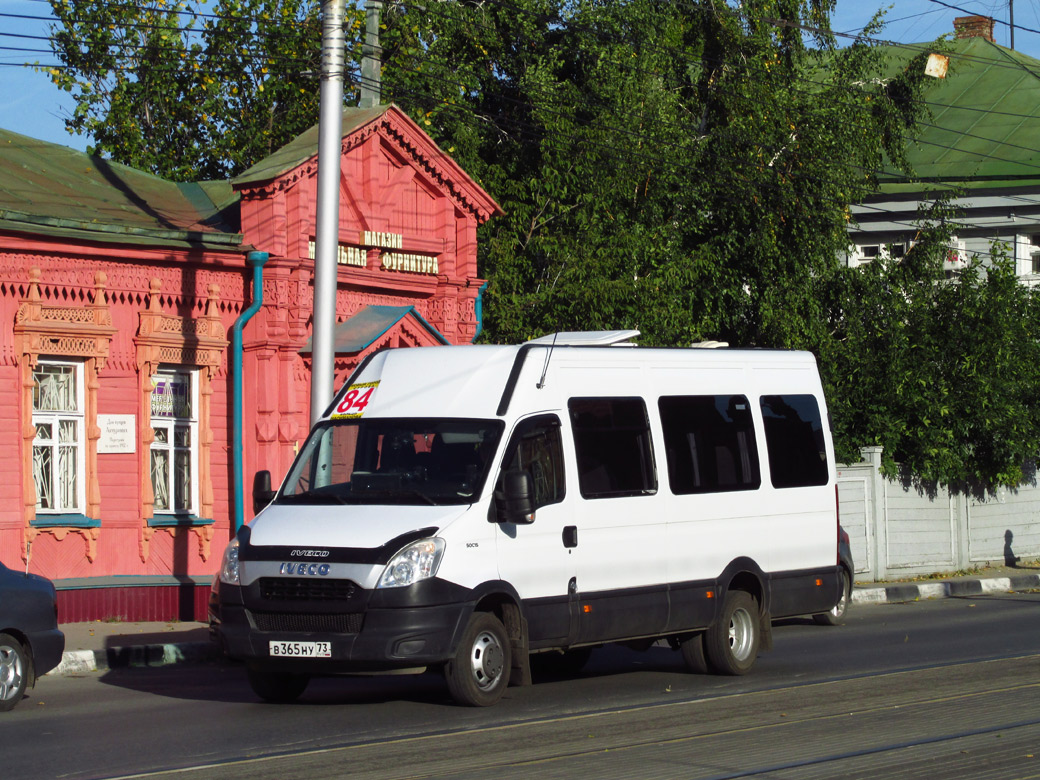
(731, 643)
(840, 610)
(16, 671)
(478, 675)
(276, 687)
(692, 649)
(554, 665)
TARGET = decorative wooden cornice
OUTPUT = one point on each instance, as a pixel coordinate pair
(69, 331)
(168, 338)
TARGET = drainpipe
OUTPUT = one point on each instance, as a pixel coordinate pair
(478, 310)
(257, 260)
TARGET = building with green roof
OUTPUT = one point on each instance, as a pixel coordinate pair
(980, 147)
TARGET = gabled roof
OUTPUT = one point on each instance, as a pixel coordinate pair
(52, 190)
(985, 124)
(393, 123)
(302, 148)
(363, 329)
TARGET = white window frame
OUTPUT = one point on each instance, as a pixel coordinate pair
(165, 430)
(61, 501)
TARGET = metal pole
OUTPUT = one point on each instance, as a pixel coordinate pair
(326, 244)
(1011, 9)
(371, 56)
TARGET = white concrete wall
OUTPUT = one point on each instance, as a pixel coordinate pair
(897, 532)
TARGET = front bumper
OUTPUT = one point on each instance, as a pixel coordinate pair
(377, 639)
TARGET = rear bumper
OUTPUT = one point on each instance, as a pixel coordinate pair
(47, 649)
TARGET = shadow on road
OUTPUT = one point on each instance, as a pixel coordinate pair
(225, 681)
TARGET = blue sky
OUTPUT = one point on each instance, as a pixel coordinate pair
(31, 105)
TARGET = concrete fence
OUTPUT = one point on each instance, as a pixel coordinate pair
(898, 532)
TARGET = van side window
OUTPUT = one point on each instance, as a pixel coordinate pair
(794, 438)
(536, 447)
(709, 443)
(612, 443)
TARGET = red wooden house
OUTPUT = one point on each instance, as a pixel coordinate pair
(120, 289)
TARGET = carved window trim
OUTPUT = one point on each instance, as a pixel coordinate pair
(68, 332)
(165, 340)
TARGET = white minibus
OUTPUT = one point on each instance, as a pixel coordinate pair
(477, 509)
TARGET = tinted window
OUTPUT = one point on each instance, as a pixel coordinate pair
(794, 438)
(536, 448)
(612, 443)
(709, 443)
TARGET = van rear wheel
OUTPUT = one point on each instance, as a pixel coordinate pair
(731, 643)
(479, 673)
(840, 610)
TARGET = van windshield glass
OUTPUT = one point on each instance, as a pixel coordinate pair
(393, 461)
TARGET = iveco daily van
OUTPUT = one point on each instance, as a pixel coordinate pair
(473, 508)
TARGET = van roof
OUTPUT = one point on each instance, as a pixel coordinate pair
(487, 381)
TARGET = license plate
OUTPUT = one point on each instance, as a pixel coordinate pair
(301, 649)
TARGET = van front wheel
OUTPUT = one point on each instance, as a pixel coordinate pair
(479, 673)
(731, 644)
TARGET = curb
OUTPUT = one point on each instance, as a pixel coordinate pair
(79, 661)
(941, 590)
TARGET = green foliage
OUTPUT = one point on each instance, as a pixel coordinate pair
(189, 90)
(943, 373)
(684, 169)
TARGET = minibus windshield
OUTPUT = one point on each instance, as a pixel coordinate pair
(393, 461)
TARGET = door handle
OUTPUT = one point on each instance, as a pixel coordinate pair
(570, 536)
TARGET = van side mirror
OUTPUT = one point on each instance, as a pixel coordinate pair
(262, 493)
(514, 500)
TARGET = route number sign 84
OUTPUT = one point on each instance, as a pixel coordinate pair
(355, 400)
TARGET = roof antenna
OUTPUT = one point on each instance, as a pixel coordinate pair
(545, 368)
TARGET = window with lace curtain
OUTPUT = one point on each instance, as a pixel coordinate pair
(58, 454)
(173, 459)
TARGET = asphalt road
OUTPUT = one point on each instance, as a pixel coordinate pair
(930, 689)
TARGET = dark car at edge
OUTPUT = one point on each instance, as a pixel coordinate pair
(30, 642)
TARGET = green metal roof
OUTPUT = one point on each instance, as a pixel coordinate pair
(985, 124)
(52, 190)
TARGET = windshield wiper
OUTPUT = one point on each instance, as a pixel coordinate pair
(312, 498)
(396, 493)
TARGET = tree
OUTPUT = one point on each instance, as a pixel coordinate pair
(943, 373)
(662, 165)
(185, 94)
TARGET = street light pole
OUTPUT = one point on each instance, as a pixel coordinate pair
(326, 231)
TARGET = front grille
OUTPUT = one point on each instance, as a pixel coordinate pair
(306, 589)
(307, 622)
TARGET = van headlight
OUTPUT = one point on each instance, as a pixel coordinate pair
(418, 561)
(229, 573)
